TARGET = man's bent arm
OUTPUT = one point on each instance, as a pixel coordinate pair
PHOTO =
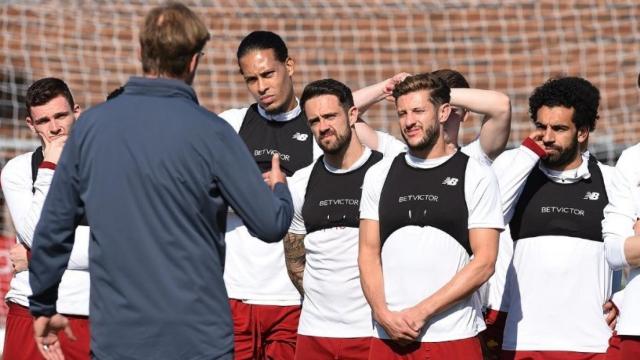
(484, 244)
(55, 232)
(266, 214)
(294, 257)
(496, 125)
(622, 246)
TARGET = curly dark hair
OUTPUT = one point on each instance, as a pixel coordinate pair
(569, 92)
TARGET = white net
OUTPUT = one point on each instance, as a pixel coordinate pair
(510, 46)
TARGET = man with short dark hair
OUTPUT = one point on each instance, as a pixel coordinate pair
(154, 174)
(51, 113)
(553, 199)
(322, 243)
(429, 225)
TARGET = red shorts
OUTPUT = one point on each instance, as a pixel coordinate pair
(317, 347)
(551, 355)
(20, 345)
(467, 349)
(264, 331)
(614, 352)
(629, 347)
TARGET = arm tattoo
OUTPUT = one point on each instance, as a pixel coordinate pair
(294, 258)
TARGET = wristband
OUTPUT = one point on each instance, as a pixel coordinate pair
(533, 146)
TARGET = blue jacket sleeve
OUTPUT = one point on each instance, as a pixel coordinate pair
(266, 214)
(54, 234)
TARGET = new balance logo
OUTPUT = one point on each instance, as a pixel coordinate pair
(300, 137)
(451, 181)
(591, 196)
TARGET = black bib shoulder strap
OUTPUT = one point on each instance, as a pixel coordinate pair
(36, 159)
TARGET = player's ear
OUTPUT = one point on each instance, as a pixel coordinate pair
(444, 111)
(352, 113)
(30, 124)
(583, 134)
(290, 64)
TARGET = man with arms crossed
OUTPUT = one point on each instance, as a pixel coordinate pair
(554, 208)
(622, 244)
(25, 183)
(154, 173)
(423, 215)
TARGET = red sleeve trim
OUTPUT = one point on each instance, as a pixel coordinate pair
(29, 254)
(533, 146)
(47, 165)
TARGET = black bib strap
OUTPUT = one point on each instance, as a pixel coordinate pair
(36, 159)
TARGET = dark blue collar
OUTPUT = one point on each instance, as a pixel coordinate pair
(159, 87)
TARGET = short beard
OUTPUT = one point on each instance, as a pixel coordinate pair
(563, 157)
(427, 142)
(341, 143)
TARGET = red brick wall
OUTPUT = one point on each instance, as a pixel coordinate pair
(511, 46)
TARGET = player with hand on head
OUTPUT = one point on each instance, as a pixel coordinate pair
(420, 261)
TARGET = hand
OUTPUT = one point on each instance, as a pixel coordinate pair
(415, 318)
(275, 175)
(52, 149)
(396, 326)
(18, 257)
(611, 312)
(392, 82)
(46, 335)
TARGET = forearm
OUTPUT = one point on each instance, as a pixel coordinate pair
(496, 124)
(367, 96)
(514, 167)
(493, 104)
(632, 251)
(294, 256)
(462, 285)
(26, 227)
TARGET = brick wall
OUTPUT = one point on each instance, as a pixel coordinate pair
(510, 46)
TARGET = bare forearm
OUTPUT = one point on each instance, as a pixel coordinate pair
(367, 96)
(294, 256)
(488, 102)
(463, 284)
(372, 284)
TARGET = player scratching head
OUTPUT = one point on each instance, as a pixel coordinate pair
(267, 69)
(331, 113)
(171, 42)
(422, 104)
(564, 110)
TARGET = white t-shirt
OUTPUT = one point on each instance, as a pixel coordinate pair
(334, 305)
(255, 271)
(25, 208)
(556, 285)
(619, 217)
(418, 261)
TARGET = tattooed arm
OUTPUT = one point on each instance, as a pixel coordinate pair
(294, 258)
